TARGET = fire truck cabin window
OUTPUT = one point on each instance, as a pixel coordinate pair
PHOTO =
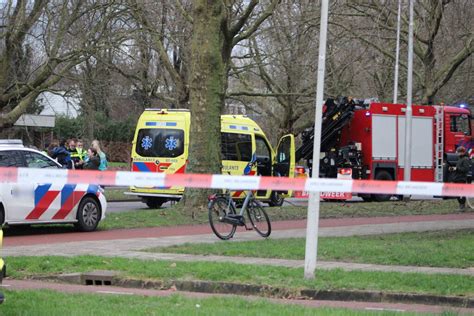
(460, 123)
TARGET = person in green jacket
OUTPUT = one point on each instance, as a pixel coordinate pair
(460, 173)
(102, 156)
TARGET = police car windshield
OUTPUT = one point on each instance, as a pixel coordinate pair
(160, 142)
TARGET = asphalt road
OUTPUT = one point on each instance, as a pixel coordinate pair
(118, 207)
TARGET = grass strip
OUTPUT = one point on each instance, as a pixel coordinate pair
(288, 278)
(453, 249)
(117, 194)
(50, 303)
(174, 215)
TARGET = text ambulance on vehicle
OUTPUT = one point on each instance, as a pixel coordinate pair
(161, 144)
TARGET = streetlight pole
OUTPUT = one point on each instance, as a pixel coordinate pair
(409, 110)
(312, 224)
(397, 54)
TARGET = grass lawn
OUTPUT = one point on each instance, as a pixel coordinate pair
(454, 249)
(114, 165)
(117, 194)
(49, 303)
(174, 216)
(292, 279)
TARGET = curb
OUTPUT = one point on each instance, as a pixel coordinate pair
(111, 278)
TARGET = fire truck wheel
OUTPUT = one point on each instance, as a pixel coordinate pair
(276, 199)
(367, 198)
(382, 175)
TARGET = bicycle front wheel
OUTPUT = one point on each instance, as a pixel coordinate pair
(218, 210)
(259, 219)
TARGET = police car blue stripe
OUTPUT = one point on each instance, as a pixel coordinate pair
(40, 191)
(66, 192)
(93, 188)
(171, 123)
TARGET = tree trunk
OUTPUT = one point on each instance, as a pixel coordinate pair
(207, 90)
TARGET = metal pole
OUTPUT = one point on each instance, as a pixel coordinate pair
(409, 111)
(311, 250)
(397, 54)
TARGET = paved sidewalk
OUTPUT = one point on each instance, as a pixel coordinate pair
(132, 248)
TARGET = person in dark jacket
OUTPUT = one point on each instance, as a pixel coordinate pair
(460, 173)
(62, 155)
(94, 160)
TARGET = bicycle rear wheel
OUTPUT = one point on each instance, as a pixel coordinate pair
(259, 219)
(218, 210)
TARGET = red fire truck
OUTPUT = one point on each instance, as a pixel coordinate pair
(369, 139)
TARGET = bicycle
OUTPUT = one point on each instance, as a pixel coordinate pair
(224, 219)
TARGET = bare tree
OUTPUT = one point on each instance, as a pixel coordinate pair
(42, 41)
(218, 26)
(438, 56)
(280, 65)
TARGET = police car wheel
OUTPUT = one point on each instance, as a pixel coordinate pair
(88, 215)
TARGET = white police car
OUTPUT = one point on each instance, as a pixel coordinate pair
(84, 205)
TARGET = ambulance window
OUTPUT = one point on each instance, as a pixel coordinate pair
(236, 147)
(460, 123)
(263, 151)
(160, 142)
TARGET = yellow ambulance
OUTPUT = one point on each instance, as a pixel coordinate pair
(161, 144)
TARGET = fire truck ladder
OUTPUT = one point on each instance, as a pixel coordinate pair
(439, 144)
(336, 116)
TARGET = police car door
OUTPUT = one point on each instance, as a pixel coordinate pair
(42, 200)
(10, 193)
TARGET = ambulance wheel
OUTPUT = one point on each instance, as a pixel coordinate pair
(276, 199)
(154, 202)
(88, 214)
(382, 175)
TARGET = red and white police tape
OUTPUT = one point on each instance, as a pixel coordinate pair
(217, 181)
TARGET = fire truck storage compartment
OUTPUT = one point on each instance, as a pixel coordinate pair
(384, 137)
(422, 142)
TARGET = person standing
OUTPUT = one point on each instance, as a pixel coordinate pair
(80, 150)
(93, 160)
(460, 173)
(75, 157)
(102, 156)
(62, 155)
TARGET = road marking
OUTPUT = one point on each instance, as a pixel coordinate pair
(5, 285)
(115, 292)
(384, 309)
